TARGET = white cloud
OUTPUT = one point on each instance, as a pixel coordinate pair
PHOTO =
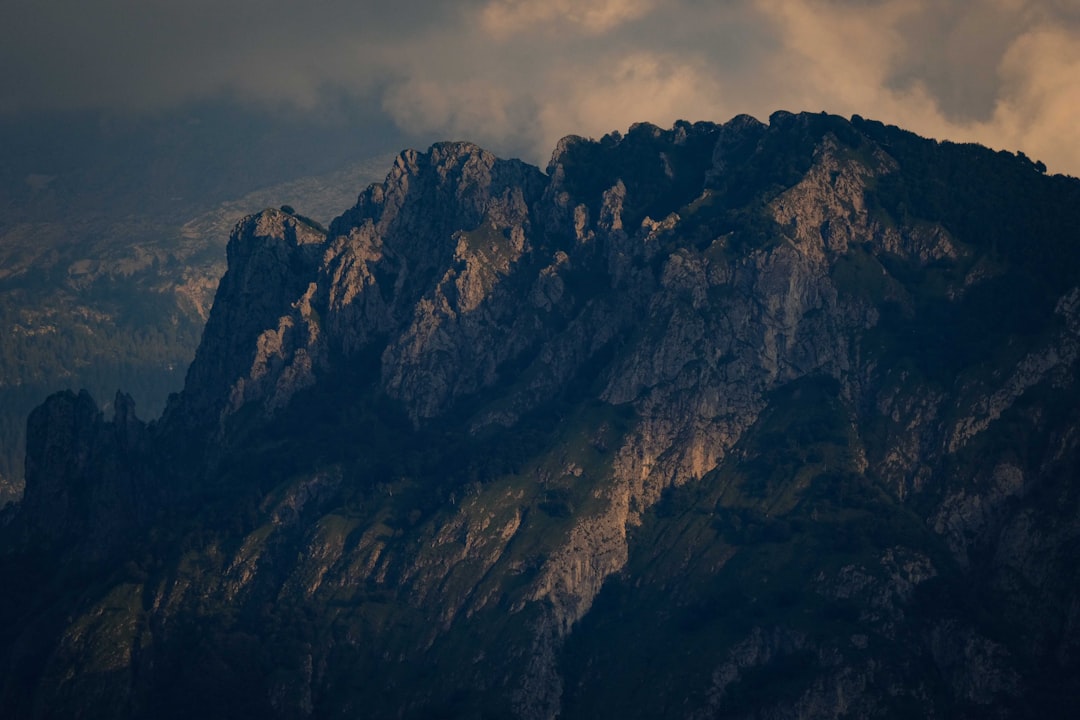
(640, 87)
(1039, 107)
(517, 74)
(504, 18)
(559, 98)
(469, 109)
(843, 57)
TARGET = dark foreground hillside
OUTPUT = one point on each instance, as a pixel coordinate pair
(740, 420)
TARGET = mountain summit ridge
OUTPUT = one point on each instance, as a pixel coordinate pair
(781, 396)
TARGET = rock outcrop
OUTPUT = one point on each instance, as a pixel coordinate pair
(90, 484)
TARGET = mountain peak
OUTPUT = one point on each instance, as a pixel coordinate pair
(796, 402)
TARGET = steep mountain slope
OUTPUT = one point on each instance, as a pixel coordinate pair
(735, 420)
(113, 297)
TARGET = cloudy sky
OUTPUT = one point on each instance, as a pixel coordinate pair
(515, 75)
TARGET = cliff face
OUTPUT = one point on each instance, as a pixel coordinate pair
(744, 419)
(100, 290)
(85, 471)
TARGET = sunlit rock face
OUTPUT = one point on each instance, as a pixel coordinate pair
(742, 420)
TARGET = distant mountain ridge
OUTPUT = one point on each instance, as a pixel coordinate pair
(740, 420)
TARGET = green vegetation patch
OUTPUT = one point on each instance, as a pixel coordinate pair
(754, 547)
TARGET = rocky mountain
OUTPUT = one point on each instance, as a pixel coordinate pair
(737, 420)
(106, 298)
